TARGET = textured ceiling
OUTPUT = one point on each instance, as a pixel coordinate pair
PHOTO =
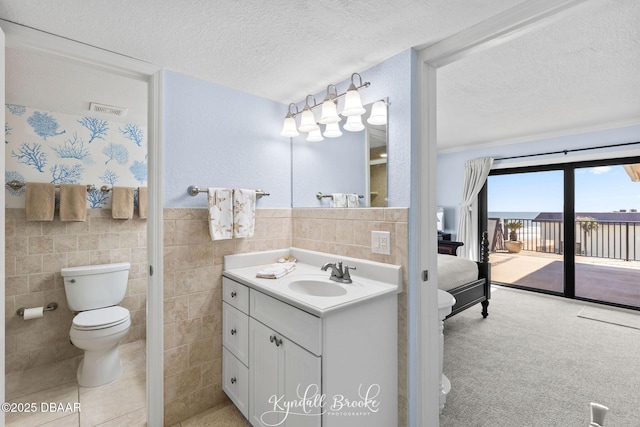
(580, 70)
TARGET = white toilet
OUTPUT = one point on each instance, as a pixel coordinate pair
(93, 291)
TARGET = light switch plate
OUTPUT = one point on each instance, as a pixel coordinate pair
(381, 242)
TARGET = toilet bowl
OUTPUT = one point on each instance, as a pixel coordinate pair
(98, 333)
(100, 324)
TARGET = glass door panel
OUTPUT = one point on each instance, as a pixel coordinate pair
(525, 212)
(607, 229)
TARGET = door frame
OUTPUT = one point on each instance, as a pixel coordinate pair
(29, 39)
(424, 375)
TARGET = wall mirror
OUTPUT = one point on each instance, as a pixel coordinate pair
(355, 162)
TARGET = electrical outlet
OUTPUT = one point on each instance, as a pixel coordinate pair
(381, 242)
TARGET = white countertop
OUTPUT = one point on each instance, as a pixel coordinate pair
(370, 279)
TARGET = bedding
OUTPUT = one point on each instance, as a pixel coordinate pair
(468, 281)
(454, 271)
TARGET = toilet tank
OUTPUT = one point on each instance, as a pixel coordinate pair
(95, 286)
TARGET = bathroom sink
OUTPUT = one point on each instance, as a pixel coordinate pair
(317, 288)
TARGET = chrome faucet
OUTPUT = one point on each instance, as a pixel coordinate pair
(337, 273)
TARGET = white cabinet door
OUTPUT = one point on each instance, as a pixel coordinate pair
(280, 374)
(301, 376)
(263, 375)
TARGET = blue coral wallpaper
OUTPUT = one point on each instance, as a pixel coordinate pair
(45, 146)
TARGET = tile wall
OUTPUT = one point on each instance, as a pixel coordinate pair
(348, 232)
(38, 352)
(193, 304)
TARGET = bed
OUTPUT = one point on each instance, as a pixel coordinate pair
(468, 281)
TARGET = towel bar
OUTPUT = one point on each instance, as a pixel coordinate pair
(194, 191)
(16, 185)
(320, 195)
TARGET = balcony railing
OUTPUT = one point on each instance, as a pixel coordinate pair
(601, 239)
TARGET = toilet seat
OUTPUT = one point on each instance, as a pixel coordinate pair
(101, 318)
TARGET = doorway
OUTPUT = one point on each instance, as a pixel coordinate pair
(30, 40)
(576, 226)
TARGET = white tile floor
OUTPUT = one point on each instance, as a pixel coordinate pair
(119, 403)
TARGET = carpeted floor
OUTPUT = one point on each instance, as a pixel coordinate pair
(534, 362)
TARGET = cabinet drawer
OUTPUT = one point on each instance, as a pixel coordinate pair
(235, 332)
(235, 381)
(235, 294)
(299, 326)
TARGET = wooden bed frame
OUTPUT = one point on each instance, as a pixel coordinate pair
(478, 291)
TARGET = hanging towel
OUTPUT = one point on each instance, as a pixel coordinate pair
(122, 203)
(142, 202)
(73, 202)
(276, 271)
(353, 201)
(41, 201)
(220, 213)
(339, 200)
(244, 212)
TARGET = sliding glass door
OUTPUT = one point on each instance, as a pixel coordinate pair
(607, 230)
(570, 229)
(525, 212)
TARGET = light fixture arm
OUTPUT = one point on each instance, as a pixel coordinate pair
(334, 97)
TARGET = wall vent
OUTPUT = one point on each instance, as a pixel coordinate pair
(107, 109)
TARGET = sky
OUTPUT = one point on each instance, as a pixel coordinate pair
(598, 189)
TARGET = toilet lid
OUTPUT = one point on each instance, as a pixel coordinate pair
(101, 317)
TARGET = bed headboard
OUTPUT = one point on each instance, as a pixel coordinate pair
(448, 247)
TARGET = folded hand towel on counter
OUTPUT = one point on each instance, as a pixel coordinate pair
(122, 203)
(244, 212)
(276, 271)
(339, 200)
(73, 202)
(220, 213)
(353, 201)
(142, 202)
(40, 201)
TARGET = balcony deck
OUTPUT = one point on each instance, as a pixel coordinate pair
(603, 279)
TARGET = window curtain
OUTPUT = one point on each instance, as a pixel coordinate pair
(475, 175)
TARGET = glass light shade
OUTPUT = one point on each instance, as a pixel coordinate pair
(329, 113)
(354, 124)
(332, 130)
(289, 127)
(315, 135)
(352, 103)
(308, 121)
(378, 114)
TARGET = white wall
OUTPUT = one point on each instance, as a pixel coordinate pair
(220, 137)
(451, 165)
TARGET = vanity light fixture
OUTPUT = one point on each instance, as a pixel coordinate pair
(329, 107)
(315, 136)
(354, 124)
(332, 130)
(308, 120)
(353, 110)
(289, 128)
(378, 114)
(352, 102)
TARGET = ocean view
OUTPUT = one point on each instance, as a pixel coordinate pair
(514, 215)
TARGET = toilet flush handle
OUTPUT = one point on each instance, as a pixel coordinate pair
(72, 281)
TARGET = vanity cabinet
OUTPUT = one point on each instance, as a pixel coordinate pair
(281, 371)
(344, 363)
(235, 344)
